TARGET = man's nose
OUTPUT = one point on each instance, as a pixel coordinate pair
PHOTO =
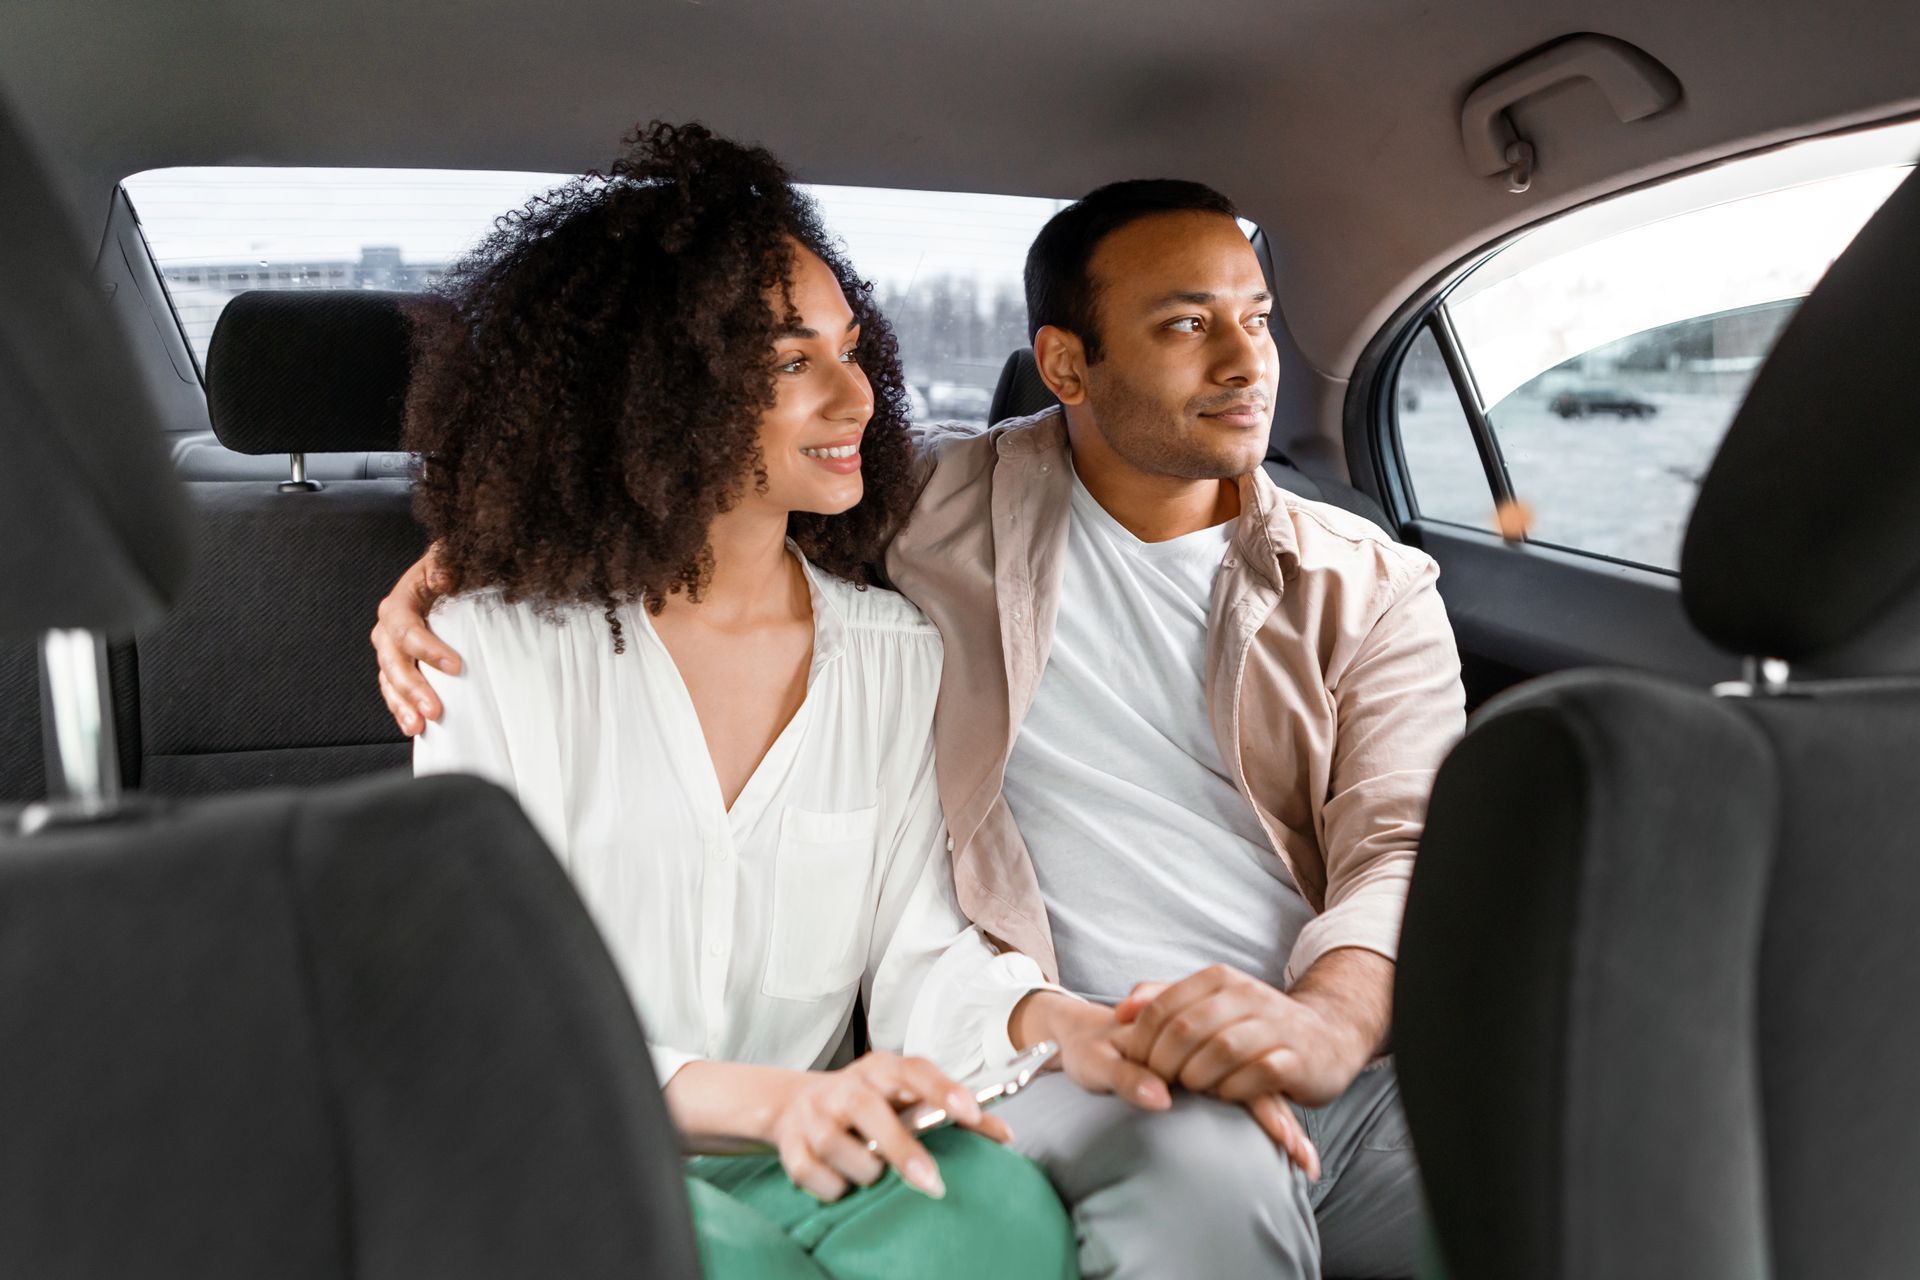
(1246, 356)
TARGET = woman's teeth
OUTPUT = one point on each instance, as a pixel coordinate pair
(839, 451)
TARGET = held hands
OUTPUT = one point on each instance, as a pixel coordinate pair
(1089, 1038)
(402, 641)
(834, 1129)
(1223, 1032)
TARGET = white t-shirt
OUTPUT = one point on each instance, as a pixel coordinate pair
(1151, 863)
(743, 934)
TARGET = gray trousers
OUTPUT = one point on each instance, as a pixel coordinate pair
(1200, 1190)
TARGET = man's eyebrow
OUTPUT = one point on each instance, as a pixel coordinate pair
(1200, 299)
(805, 334)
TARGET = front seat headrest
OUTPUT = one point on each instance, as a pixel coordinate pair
(310, 370)
(1805, 542)
(94, 529)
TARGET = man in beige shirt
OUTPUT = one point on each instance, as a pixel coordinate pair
(1186, 730)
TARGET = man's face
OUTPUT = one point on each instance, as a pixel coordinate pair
(1184, 385)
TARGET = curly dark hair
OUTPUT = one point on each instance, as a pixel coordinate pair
(588, 383)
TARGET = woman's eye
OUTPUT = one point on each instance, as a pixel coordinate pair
(849, 356)
(796, 365)
(1185, 324)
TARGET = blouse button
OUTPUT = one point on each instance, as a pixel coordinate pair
(716, 948)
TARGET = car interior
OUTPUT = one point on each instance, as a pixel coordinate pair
(1610, 310)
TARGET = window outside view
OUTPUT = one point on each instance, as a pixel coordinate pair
(945, 266)
(1611, 369)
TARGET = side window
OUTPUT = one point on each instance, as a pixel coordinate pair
(1609, 351)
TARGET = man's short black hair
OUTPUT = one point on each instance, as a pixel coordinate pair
(1059, 290)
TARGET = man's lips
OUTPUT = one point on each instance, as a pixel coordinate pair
(1246, 414)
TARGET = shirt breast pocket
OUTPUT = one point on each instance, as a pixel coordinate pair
(821, 920)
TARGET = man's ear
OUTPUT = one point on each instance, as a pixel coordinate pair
(1062, 362)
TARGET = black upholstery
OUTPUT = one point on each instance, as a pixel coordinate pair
(309, 370)
(1021, 392)
(1601, 1055)
(90, 534)
(23, 766)
(1836, 398)
(1574, 1018)
(262, 674)
(368, 1031)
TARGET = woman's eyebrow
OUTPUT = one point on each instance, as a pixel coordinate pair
(805, 334)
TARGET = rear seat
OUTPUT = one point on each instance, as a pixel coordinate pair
(262, 674)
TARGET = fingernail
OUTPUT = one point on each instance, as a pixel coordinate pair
(962, 1107)
(446, 664)
(1152, 1094)
(425, 710)
(925, 1178)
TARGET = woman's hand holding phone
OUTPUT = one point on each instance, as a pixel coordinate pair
(824, 1123)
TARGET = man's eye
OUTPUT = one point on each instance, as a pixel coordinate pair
(1185, 324)
(1259, 321)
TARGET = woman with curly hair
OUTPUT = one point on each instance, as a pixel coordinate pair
(663, 437)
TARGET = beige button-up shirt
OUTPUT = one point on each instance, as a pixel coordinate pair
(1332, 681)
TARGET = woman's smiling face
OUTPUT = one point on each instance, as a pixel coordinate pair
(810, 438)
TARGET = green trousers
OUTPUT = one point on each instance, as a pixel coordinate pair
(1000, 1218)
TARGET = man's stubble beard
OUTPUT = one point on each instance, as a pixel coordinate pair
(1147, 438)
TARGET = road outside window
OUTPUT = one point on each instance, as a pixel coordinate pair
(946, 266)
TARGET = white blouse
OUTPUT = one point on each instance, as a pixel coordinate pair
(742, 934)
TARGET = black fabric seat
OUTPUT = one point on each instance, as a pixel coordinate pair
(262, 674)
(364, 1031)
(1653, 1015)
(1020, 392)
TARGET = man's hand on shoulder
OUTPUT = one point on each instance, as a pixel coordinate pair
(402, 640)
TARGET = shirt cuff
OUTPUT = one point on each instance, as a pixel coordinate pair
(996, 1041)
(1370, 926)
(668, 1061)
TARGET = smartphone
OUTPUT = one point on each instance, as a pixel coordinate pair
(987, 1087)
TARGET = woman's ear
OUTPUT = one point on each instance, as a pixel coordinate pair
(1062, 362)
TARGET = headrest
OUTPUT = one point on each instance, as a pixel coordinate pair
(93, 526)
(310, 370)
(1805, 543)
(1020, 391)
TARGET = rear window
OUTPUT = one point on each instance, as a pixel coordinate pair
(945, 265)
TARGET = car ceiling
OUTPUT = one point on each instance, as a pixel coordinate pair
(1334, 123)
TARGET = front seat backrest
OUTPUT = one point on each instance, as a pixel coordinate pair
(1659, 952)
(364, 1031)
